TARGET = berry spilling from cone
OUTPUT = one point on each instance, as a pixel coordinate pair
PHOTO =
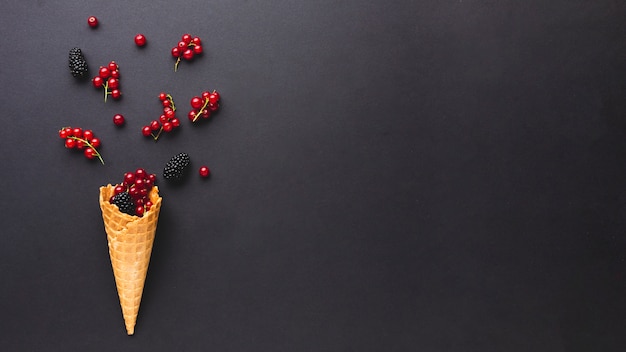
(131, 196)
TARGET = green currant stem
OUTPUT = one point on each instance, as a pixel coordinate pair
(95, 151)
(171, 99)
(157, 135)
(206, 103)
(106, 90)
(176, 64)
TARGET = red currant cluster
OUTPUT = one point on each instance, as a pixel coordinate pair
(203, 106)
(167, 121)
(108, 78)
(138, 185)
(85, 140)
(187, 48)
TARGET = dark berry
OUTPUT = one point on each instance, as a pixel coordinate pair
(175, 168)
(77, 63)
(124, 202)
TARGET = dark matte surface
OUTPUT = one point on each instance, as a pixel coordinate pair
(387, 176)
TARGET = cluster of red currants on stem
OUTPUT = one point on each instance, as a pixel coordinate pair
(84, 140)
(187, 48)
(108, 78)
(167, 122)
(138, 185)
(204, 105)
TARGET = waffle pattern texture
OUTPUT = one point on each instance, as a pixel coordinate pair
(130, 240)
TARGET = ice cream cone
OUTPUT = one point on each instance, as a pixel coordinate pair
(130, 240)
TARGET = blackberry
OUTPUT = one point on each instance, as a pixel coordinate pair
(77, 63)
(175, 168)
(124, 202)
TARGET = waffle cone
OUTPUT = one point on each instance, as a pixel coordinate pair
(130, 240)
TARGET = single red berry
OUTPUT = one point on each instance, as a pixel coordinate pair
(69, 131)
(89, 153)
(77, 132)
(139, 210)
(116, 94)
(204, 171)
(63, 133)
(147, 205)
(115, 74)
(166, 103)
(188, 54)
(186, 38)
(92, 21)
(206, 113)
(197, 49)
(87, 134)
(146, 131)
(152, 177)
(213, 98)
(205, 95)
(192, 115)
(196, 41)
(118, 119)
(80, 144)
(175, 122)
(162, 96)
(113, 83)
(104, 72)
(133, 191)
(129, 178)
(163, 119)
(140, 40)
(167, 127)
(214, 107)
(196, 102)
(70, 143)
(182, 45)
(176, 51)
(217, 95)
(170, 114)
(140, 173)
(95, 142)
(97, 81)
(139, 183)
(119, 189)
(112, 66)
(155, 125)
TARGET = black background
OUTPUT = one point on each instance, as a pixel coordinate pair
(386, 176)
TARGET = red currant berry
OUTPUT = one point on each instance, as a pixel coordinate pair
(176, 51)
(166, 103)
(112, 66)
(69, 131)
(139, 183)
(147, 205)
(104, 72)
(197, 49)
(97, 81)
(196, 41)
(205, 95)
(139, 210)
(214, 107)
(129, 178)
(118, 119)
(175, 122)
(206, 113)
(116, 94)
(95, 142)
(217, 95)
(155, 125)
(188, 54)
(87, 134)
(80, 144)
(186, 38)
(115, 74)
(63, 133)
(192, 115)
(133, 191)
(140, 174)
(147, 183)
(167, 127)
(140, 40)
(214, 98)
(162, 96)
(92, 21)
(77, 132)
(163, 119)
(204, 171)
(70, 143)
(170, 114)
(152, 178)
(196, 102)
(89, 153)
(182, 45)
(146, 131)
(113, 83)
(119, 189)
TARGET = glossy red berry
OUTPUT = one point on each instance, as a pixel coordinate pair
(155, 125)
(162, 96)
(77, 132)
(112, 66)
(104, 72)
(113, 83)
(176, 52)
(119, 189)
(97, 82)
(87, 134)
(186, 38)
(196, 102)
(89, 153)
(188, 54)
(92, 21)
(139, 210)
(204, 171)
(140, 40)
(70, 143)
(167, 126)
(146, 131)
(214, 98)
(118, 119)
(140, 173)
(116, 94)
(95, 142)
(196, 41)
(197, 49)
